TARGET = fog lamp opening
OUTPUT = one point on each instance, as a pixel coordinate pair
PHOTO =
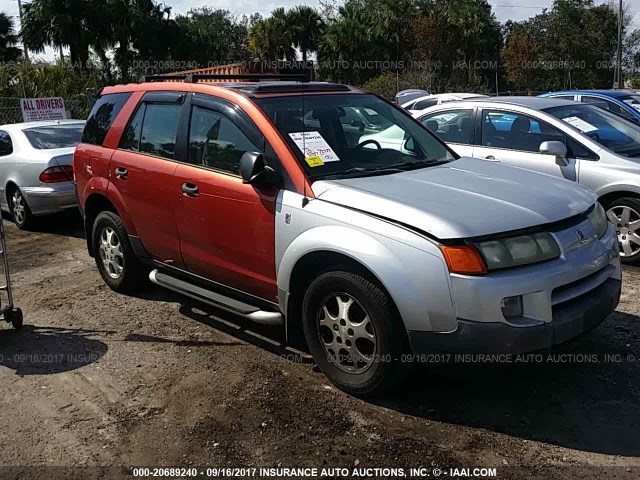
(512, 307)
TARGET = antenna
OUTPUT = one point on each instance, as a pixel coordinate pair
(305, 199)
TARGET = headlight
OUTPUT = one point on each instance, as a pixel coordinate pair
(516, 251)
(599, 220)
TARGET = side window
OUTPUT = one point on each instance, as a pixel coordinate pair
(516, 131)
(102, 115)
(605, 104)
(564, 97)
(131, 138)
(216, 142)
(160, 129)
(6, 146)
(617, 109)
(452, 126)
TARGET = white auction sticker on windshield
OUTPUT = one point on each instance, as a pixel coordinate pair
(312, 144)
(580, 124)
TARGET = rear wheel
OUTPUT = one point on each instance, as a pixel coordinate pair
(20, 211)
(353, 332)
(624, 213)
(114, 255)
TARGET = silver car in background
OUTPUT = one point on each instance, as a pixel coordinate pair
(36, 173)
(563, 138)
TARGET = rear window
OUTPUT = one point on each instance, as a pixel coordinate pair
(102, 115)
(59, 136)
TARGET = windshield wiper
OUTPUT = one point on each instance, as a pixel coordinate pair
(364, 172)
(418, 164)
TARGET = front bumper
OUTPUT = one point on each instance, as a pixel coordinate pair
(561, 299)
(570, 319)
(51, 198)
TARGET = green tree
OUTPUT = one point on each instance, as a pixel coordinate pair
(271, 38)
(76, 24)
(139, 30)
(350, 44)
(576, 44)
(212, 36)
(307, 26)
(8, 40)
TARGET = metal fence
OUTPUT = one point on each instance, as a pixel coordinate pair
(77, 106)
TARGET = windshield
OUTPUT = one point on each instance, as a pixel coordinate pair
(57, 136)
(352, 135)
(609, 130)
(632, 101)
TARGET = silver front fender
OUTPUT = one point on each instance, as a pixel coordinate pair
(408, 266)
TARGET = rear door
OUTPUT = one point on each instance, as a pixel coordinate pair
(226, 227)
(514, 138)
(142, 172)
(456, 127)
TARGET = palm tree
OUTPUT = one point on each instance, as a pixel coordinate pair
(272, 38)
(8, 40)
(77, 24)
(307, 26)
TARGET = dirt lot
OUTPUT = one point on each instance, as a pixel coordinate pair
(98, 378)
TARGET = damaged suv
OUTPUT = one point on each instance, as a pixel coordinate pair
(262, 199)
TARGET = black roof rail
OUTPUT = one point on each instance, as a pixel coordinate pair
(250, 77)
(162, 78)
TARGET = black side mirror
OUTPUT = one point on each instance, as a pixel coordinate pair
(253, 169)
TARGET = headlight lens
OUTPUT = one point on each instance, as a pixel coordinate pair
(599, 220)
(516, 251)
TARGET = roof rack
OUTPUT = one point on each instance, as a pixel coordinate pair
(249, 77)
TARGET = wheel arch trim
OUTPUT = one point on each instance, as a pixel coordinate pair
(389, 269)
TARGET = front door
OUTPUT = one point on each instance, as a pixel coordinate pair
(226, 227)
(514, 139)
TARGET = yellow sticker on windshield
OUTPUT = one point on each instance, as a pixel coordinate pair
(314, 161)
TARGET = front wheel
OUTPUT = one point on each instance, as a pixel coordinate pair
(624, 213)
(114, 255)
(353, 332)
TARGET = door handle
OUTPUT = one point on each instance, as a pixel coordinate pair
(490, 157)
(122, 173)
(190, 189)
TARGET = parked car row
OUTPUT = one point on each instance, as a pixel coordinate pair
(335, 214)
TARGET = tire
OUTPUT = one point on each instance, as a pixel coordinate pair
(367, 360)
(114, 255)
(624, 213)
(15, 317)
(20, 210)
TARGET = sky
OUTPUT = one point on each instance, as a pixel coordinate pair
(504, 9)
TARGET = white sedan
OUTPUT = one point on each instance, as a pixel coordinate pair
(36, 173)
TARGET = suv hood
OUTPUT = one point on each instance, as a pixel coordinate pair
(462, 199)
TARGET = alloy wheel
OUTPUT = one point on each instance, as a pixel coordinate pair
(346, 333)
(626, 221)
(19, 207)
(111, 253)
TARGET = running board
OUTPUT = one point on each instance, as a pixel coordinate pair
(250, 312)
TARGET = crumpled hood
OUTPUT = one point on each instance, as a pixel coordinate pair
(462, 199)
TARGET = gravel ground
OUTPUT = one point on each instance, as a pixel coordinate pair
(97, 379)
